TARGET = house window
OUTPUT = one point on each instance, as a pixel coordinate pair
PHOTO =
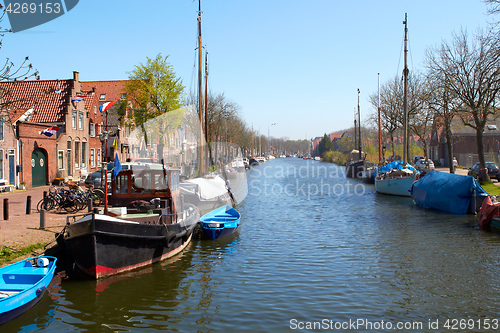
(80, 120)
(84, 155)
(92, 157)
(102, 97)
(77, 155)
(73, 119)
(1, 163)
(60, 159)
(92, 130)
(100, 129)
(99, 157)
(68, 159)
(124, 96)
(1, 129)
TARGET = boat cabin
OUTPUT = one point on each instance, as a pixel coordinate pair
(135, 188)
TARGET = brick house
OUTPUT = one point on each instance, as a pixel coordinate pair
(464, 146)
(32, 106)
(100, 92)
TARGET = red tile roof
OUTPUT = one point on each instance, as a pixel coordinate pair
(113, 89)
(48, 98)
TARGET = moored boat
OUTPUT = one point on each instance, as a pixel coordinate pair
(206, 193)
(448, 192)
(354, 169)
(368, 174)
(397, 177)
(23, 285)
(394, 179)
(139, 232)
(220, 222)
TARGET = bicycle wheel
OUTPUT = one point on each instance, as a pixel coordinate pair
(46, 203)
(97, 196)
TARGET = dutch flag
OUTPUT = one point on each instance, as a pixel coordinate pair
(50, 131)
(106, 106)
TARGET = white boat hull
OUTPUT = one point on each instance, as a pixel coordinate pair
(395, 186)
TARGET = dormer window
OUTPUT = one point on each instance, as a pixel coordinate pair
(102, 97)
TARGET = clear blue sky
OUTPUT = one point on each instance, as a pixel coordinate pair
(296, 63)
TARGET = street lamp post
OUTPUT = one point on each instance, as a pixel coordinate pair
(269, 137)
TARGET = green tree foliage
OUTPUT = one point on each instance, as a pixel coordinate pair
(325, 145)
(152, 90)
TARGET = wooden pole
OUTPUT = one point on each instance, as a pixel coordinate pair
(379, 127)
(405, 97)
(105, 167)
(200, 96)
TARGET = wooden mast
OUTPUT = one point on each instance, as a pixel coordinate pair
(379, 127)
(208, 150)
(105, 167)
(405, 97)
(359, 126)
(200, 96)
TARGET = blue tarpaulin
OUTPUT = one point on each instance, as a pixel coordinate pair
(446, 191)
(395, 165)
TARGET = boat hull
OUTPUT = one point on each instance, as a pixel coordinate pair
(369, 175)
(395, 186)
(220, 222)
(29, 284)
(103, 246)
(214, 233)
(354, 169)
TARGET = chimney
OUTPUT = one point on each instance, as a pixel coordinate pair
(75, 75)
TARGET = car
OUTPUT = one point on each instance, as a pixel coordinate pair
(392, 158)
(416, 158)
(94, 178)
(424, 164)
(493, 171)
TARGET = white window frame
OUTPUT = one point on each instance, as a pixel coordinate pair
(99, 157)
(60, 159)
(77, 155)
(92, 130)
(73, 118)
(2, 163)
(92, 158)
(80, 120)
(84, 155)
(2, 129)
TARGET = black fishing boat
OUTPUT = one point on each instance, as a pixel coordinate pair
(135, 232)
(355, 169)
(356, 165)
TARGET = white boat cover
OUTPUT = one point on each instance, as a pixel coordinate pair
(205, 188)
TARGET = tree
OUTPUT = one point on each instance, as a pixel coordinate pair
(15, 73)
(421, 115)
(325, 145)
(152, 90)
(443, 102)
(391, 106)
(472, 74)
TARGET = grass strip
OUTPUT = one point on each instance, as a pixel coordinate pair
(491, 188)
(7, 254)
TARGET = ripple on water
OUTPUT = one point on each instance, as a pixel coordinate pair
(309, 248)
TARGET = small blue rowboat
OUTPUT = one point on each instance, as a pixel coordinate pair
(22, 285)
(220, 222)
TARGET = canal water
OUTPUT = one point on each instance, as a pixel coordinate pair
(315, 252)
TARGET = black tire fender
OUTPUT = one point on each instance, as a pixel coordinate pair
(169, 239)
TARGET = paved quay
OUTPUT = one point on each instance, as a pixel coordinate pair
(22, 229)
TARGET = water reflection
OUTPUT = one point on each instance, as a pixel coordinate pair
(301, 255)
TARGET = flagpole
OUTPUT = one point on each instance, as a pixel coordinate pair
(105, 165)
